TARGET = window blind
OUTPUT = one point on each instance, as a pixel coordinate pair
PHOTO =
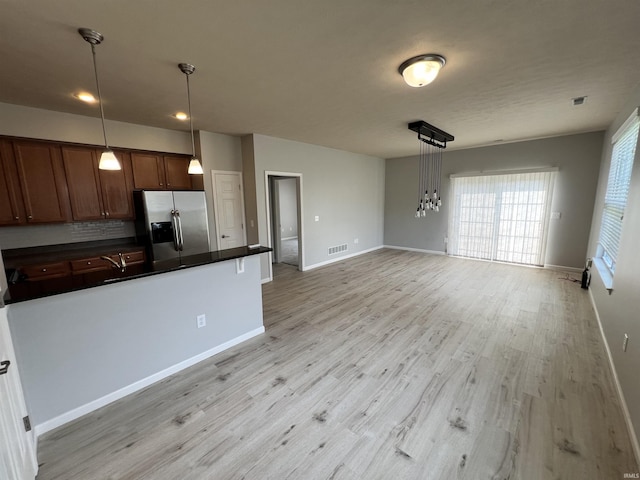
(501, 217)
(615, 201)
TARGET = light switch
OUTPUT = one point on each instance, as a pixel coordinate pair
(317, 218)
(555, 215)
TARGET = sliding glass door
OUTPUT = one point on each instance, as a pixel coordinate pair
(501, 217)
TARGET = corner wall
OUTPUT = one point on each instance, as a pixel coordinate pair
(345, 190)
(576, 156)
(618, 312)
(217, 152)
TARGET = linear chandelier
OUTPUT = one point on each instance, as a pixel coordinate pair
(432, 143)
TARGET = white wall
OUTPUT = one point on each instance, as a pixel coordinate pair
(19, 121)
(618, 312)
(576, 156)
(345, 190)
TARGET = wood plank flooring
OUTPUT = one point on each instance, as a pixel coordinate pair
(391, 365)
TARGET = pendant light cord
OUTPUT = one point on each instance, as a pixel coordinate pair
(95, 71)
(193, 143)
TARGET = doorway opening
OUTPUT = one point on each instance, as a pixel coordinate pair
(284, 193)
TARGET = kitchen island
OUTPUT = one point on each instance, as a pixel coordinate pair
(84, 348)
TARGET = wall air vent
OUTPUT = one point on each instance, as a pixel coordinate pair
(338, 249)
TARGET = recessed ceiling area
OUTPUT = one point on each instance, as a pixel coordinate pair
(326, 72)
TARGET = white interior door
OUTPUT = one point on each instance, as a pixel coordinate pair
(17, 447)
(229, 209)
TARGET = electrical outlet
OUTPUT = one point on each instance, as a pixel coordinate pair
(201, 320)
(317, 218)
(625, 342)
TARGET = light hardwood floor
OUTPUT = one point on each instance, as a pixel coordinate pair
(391, 365)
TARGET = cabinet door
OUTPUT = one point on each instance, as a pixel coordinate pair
(80, 164)
(11, 207)
(42, 181)
(176, 169)
(117, 188)
(148, 171)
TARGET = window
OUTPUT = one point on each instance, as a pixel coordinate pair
(615, 200)
(501, 217)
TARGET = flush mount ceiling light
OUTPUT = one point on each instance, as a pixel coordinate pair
(195, 168)
(421, 70)
(181, 116)
(108, 160)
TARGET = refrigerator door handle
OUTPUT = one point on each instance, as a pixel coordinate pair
(174, 222)
(180, 237)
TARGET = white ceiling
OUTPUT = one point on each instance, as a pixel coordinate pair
(325, 71)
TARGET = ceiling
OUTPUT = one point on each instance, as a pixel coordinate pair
(325, 71)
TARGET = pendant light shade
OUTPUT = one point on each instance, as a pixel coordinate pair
(195, 167)
(108, 160)
(421, 70)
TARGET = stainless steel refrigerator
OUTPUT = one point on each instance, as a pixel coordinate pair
(173, 222)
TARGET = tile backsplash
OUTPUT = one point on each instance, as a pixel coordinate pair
(53, 234)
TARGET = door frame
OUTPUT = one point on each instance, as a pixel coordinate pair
(215, 204)
(299, 196)
(21, 450)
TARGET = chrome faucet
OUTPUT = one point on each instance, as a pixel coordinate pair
(122, 265)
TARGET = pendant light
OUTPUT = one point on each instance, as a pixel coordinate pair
(195, 167)
(108, 160)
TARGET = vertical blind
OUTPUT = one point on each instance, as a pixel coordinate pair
(501, 217)
(615, 201)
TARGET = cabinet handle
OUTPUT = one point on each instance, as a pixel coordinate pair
(88, 263)
(107, 214)
(17, 218)
(44, 269)
(161, 184)
(30, 217)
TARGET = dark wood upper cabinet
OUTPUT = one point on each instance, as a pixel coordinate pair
(148, 171)
(42, 182)
(11, 206)
(117, 188)
(84, 184)
(176, 171)
(161, 172)
(50, 182)
(97, 194)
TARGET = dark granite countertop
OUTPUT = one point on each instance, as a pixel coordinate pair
(16, 292)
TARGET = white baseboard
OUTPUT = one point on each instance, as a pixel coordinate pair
(60, 420)
(563, 269)
(339, 259)
(421, 250)
(625, 410)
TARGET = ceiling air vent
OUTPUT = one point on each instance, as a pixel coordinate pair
(578, 101)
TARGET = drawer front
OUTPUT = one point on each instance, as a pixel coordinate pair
(90, 264)
(45, 271)
(131, 258)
